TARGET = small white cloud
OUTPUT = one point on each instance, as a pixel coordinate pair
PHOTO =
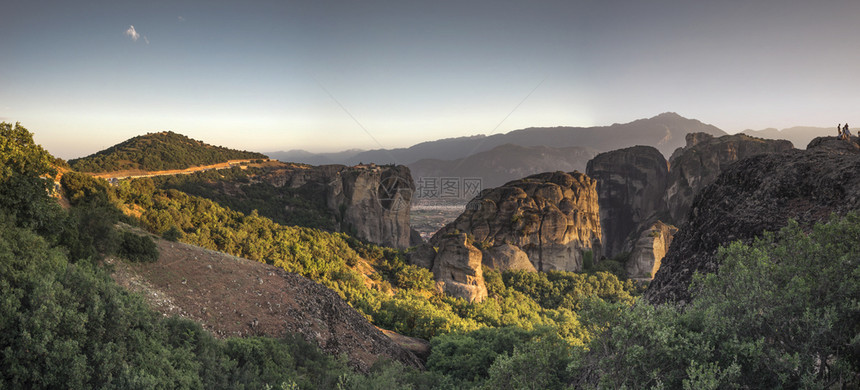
(132, 33)
(181, 19)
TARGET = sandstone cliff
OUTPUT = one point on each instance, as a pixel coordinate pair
(639, 192)
(649, 249)
(543, 222)
(368, 201)
(457, 268)
(754, 195)
(697, 164)
(631, 185)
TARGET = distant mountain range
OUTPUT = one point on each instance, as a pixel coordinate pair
(665, 132)
(799, 136)
(502, 163)
(305, 157)
(500, 158)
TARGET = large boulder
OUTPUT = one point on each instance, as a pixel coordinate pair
(698, 164)
(552, 218)
(631, 185)
(507, 257)
(755, 195)
(457, 268)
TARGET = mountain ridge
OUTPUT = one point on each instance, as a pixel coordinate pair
(665, 131)
(800, 136)
(506, 163)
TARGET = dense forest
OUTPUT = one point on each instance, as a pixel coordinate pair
(159, 151)
(783, 312)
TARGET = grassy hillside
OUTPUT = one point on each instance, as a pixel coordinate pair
(159, 151)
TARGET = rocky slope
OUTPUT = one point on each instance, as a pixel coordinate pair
(231, 296)
(371, 202)
(631, 184)
(543, 222)
(697, 164)
(759, 194)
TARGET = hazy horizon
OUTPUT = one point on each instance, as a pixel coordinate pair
(358, 150)
(331, 76)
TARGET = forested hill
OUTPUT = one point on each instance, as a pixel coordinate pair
(159, 151)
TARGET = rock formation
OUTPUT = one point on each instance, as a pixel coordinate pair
(631, 185)
(754, 195)
(552, 218)
(457, 267)
(540, 223)
(649, 250)
(368, 201)
(507, 257)
(697, 164)
(637, 190)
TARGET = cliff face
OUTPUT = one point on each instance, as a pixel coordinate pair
(371, 202)
(697, 164)
(543, 222)
(649, 250)
(631, 184)
(457, 267)
(755, 195)
(550, 217)
(640, 193)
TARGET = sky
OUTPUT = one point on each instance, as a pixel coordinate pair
(326, 76)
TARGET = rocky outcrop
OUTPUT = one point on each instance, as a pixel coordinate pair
(552, 218)
(649, 250)
(754, 195)
(631, 185)
(368, 201)
(507, 257)
(697, 164)
(457, 268)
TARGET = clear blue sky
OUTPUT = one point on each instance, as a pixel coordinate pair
(270, 76)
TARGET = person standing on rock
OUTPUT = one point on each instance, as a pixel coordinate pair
(846, 132)
(839, 129)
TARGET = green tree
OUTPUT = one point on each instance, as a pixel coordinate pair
(26, 178)
(783, 311)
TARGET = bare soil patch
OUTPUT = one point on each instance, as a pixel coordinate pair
(232, 296)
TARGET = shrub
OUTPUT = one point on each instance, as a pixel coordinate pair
(172, 234)
(140, 249)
